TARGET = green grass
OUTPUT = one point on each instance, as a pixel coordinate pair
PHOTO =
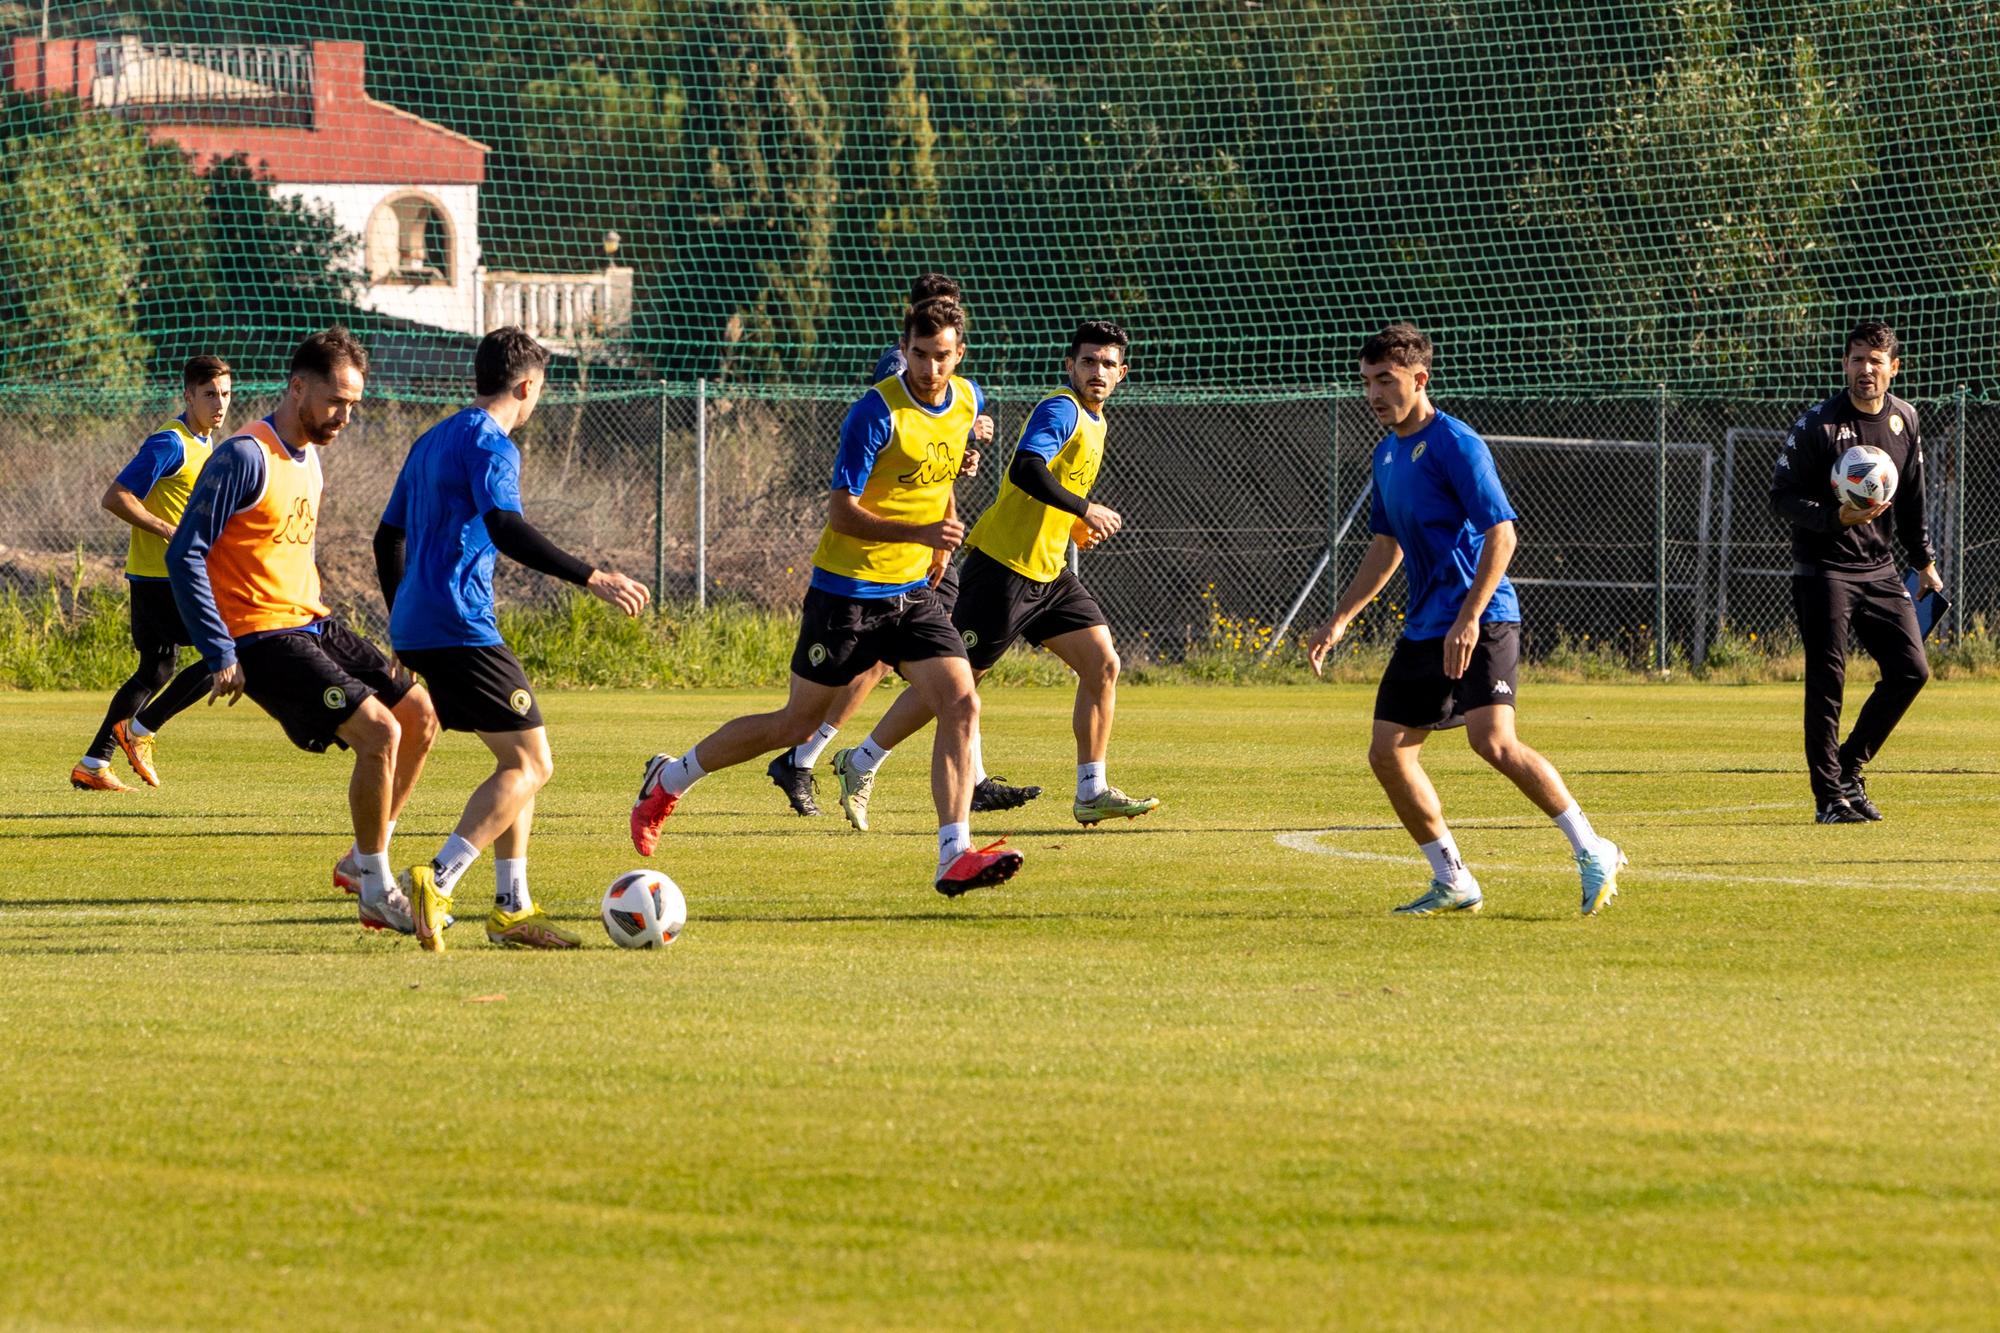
(1177, 1075)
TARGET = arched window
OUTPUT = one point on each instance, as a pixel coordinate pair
(409, 241)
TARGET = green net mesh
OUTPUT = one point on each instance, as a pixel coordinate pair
(1577, 200)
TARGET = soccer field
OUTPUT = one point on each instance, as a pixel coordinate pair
(1183, 1072)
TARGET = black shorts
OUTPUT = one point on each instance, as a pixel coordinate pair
(996, 606)
(476, 689)
(841, 637)
(156, 621)
(312, 683)
(1415, 692)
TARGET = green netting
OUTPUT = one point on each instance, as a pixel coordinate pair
(1578, 199)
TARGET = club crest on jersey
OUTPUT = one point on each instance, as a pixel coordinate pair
(334, 698)
(1418, 452)
(520, 701)
(1895, 424)
(816, 654)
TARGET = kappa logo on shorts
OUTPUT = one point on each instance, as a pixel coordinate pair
(816, 654)
(1502, 687)
(335, 697)
(971, 638)
(520, 701)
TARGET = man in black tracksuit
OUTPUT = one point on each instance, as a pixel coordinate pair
(1843, 575)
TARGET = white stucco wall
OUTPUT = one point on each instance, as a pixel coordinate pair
(454, 307)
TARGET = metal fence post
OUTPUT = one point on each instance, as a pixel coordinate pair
(1660, 539)
(660, 503)
(701, 494)
(1958, 511)
(1334, 527)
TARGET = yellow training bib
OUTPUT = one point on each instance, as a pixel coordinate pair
(910, 482)
(1026, 535)
(146, 555)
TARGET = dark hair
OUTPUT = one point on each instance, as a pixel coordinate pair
(505, 357)
(926, 286)
(327, 349)
(203, 369)
(1875, 335)
(1402, 343)
(1099, 333)
(934, 316)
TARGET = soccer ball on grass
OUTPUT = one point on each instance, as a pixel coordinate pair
(643, 909)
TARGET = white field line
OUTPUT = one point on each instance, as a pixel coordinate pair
(1311, 843)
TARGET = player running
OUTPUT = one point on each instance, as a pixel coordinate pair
(1438, 509)
(890, 525)
(245, 579)
(456, 506)
(1015, 583)
(792, 770)
(1844, 573)
(151, 493)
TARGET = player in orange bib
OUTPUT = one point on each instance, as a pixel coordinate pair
(243, 569)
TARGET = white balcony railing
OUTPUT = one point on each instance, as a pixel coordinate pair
(560, 309)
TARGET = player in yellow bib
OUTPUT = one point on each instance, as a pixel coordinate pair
(1015, 582)
(151, 493)
(891, 525)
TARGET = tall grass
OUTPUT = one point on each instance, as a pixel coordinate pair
(76, 637)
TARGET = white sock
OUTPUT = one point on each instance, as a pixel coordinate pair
(1090, 781)
(867, 756)
(510, 884)
(681, 774)
(978, 760)
(376, 876)
(805, 756)
(452, 861)
(93, 763)
(388, 832)
(137, 728)
(952, 840)
(1576, 827)
(1446, 867)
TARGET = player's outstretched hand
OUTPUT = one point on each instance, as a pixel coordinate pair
(1102, 521)
(945, 535)
(1852, 515)
(969, 465)
(982, 428)
(229, 682)
(1329, 634)
(628, 595)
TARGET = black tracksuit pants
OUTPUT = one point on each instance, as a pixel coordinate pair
(1879, 613)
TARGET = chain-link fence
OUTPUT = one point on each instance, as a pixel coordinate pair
(1645, 525)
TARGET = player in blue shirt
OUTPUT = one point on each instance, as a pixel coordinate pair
(456, 506)
(792, 770)
(1439, 511)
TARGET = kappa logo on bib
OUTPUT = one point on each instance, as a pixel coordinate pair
(335, 697)
(816, 654)
(520, 701)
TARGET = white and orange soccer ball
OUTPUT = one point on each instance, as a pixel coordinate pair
(1864, 476)
(643, 909)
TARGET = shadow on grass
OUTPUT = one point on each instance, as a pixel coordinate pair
(7, 903)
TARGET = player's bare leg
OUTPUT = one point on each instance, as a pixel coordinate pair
(1490, 731)
(419, 724)
(1395, 756)
(1091, 654)
(734, 742)
(949, 691)
(374, 734)
(792, 770)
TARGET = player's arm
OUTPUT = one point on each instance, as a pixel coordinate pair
(233, 475)
(1912, 523)
(1496, 552)
(523, 543)
(1378, 565)
(1796, 497)
(1033, 470)
(161, 454)
(389, 544)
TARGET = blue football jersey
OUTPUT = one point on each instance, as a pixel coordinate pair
(458, 471)
(1436, 493)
